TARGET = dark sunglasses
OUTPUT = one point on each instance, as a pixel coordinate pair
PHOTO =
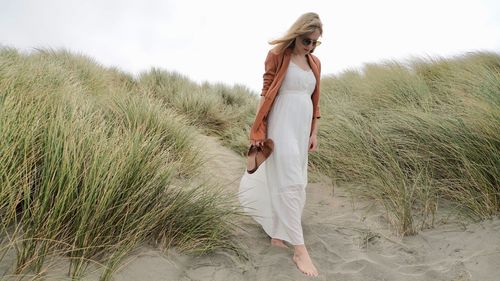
(307, 42)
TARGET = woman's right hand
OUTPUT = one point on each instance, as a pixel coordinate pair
(257, 142)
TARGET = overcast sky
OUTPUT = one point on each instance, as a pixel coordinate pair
(226, 41)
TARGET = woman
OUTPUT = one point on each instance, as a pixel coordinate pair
(287, 113)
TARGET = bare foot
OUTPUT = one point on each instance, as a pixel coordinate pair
(278, 242)
(303, 261)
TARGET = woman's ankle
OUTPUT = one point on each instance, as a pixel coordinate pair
(300, 249)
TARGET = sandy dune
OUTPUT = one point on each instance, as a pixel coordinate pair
(346, 241)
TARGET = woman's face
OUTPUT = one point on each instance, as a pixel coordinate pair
(304, 44)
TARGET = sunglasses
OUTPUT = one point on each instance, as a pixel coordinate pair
(307, 42)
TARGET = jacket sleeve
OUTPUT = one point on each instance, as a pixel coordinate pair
(270, 72)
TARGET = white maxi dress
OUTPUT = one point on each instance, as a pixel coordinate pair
(275, 194)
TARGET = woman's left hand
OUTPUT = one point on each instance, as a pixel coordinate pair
(313, 143)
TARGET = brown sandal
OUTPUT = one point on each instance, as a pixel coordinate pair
(256, 155)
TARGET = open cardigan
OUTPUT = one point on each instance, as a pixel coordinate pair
(276, 66)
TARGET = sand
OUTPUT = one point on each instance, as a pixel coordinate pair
(347, 240)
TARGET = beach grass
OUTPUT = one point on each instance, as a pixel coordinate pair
(216, 109)
(91, 167)
(412, 134)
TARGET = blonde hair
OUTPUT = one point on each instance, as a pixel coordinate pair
(305, 24)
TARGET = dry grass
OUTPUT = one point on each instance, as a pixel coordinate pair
(91, 167)
(412, 134)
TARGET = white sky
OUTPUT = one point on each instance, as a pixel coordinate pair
(226, 41)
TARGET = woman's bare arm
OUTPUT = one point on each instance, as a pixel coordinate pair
(314, 129)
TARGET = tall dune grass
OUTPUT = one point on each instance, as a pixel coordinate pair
(217, 109)
(90, 167)
(412, 134)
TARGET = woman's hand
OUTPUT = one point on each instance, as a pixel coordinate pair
(257, 142)
(313, 143)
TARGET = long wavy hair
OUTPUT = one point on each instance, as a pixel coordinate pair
(305, 24)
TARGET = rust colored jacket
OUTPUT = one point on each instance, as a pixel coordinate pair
(276, 66)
